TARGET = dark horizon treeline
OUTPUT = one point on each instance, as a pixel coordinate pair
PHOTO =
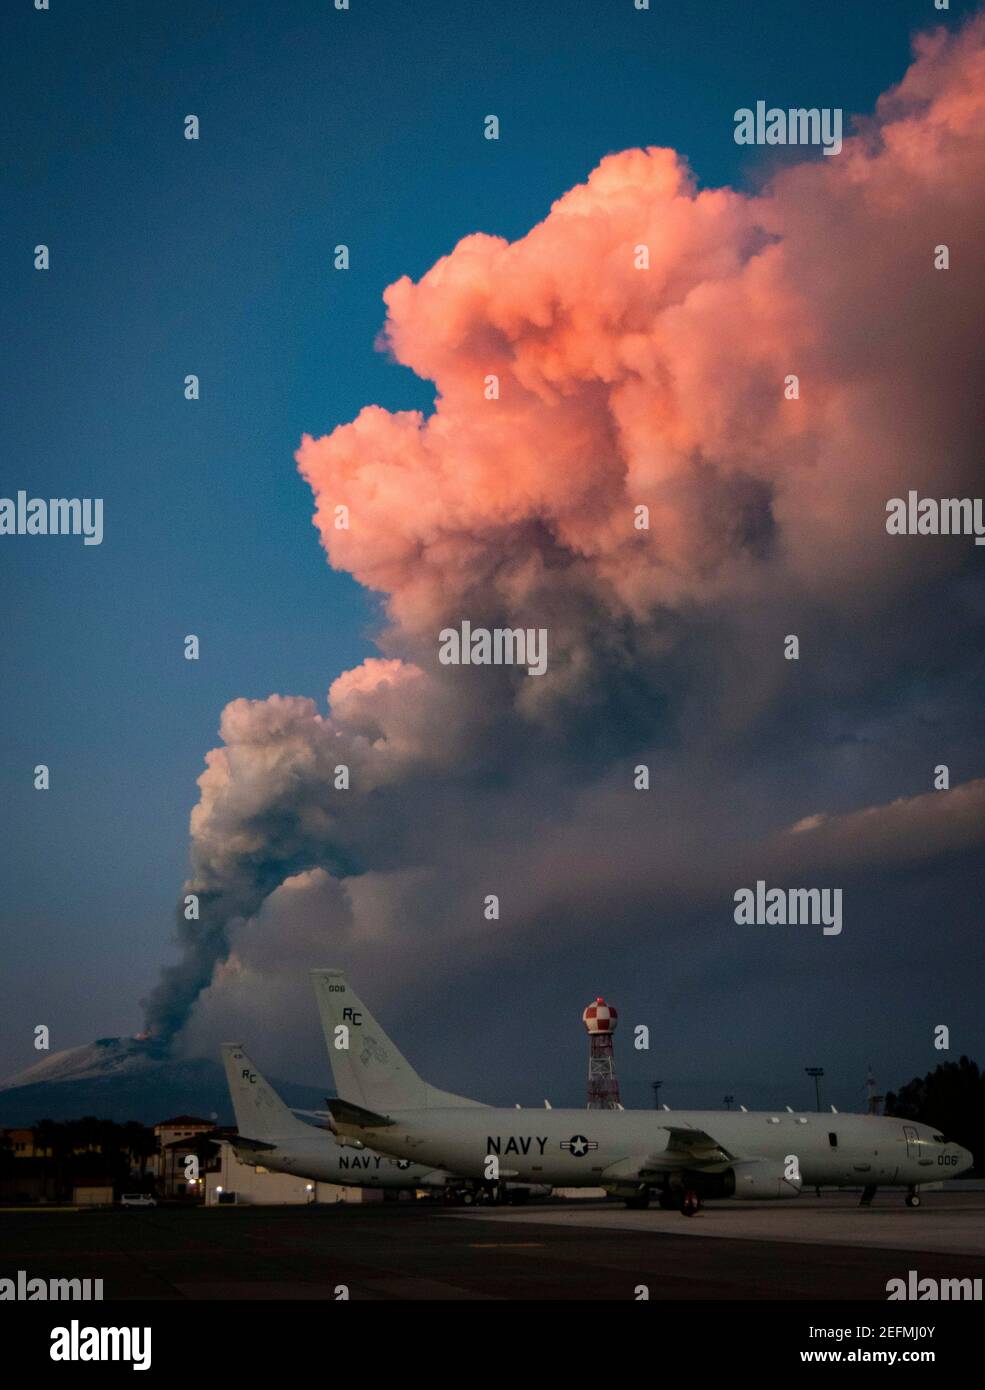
(952, 1099)
(68, 1152)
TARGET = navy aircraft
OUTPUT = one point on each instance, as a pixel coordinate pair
(272, 1136)
(682, 1157)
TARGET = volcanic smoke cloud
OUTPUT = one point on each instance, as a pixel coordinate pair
(622, 387)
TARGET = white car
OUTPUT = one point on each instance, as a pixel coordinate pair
(137, 1199)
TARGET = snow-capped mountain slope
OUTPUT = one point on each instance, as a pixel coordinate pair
(127, 1079)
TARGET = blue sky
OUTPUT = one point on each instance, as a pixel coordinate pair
(215, 257)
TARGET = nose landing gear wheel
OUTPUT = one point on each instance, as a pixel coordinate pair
(690, 1204)
(913, 1199)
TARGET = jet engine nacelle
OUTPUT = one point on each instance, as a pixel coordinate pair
(761, 1179)
(437, 1177)
(753, 1179)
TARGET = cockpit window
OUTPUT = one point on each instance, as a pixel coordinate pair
(939, 1139)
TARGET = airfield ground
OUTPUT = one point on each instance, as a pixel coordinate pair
(945, 1223)
(818, 1248)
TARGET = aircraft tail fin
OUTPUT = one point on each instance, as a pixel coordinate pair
(260, 1112)
(369, 1070)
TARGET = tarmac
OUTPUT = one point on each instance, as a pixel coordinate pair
(946, 1223)
(811, 1249)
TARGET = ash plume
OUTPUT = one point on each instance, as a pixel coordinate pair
(622, 388)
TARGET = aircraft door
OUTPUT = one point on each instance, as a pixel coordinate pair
(912, 1143)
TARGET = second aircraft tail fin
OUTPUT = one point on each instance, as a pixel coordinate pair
(260, 1112)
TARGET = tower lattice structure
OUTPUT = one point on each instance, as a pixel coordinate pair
(603, 1085)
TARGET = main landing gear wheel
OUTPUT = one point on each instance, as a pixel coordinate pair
(668, 1202)
(913, 1199)
(690, 1204)
(638, 1203)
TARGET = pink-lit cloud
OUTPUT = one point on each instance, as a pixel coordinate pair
(621, 387)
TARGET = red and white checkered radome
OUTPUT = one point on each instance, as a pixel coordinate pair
(600, 1017)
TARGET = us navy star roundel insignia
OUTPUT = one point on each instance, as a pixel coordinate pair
(578, 1146)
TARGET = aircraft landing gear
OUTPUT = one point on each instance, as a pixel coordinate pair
(868, 1192)
(640, 1202)
(690, 1203)
(912, 1198)
(668, 1202)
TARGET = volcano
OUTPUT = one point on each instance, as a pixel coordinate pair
(127, 1079)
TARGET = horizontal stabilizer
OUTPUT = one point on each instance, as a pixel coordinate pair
(321, 1119)
(350, 1116)
(240, 1141)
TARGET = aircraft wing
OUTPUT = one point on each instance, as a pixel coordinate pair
(686, 1148)
(694, 1145)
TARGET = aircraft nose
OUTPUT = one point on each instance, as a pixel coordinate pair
(965, 1160)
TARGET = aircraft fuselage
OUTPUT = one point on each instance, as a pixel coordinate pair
(569, 1148)
(322, 1160)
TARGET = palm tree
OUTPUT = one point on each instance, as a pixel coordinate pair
(141, 1144)
(53, 1140)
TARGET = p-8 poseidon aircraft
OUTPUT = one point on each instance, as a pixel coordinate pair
(682, 1156)
(271, 1135)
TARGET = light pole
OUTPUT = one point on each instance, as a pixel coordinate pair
(656, 1094)
(816, 1073)
(728, 1102)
